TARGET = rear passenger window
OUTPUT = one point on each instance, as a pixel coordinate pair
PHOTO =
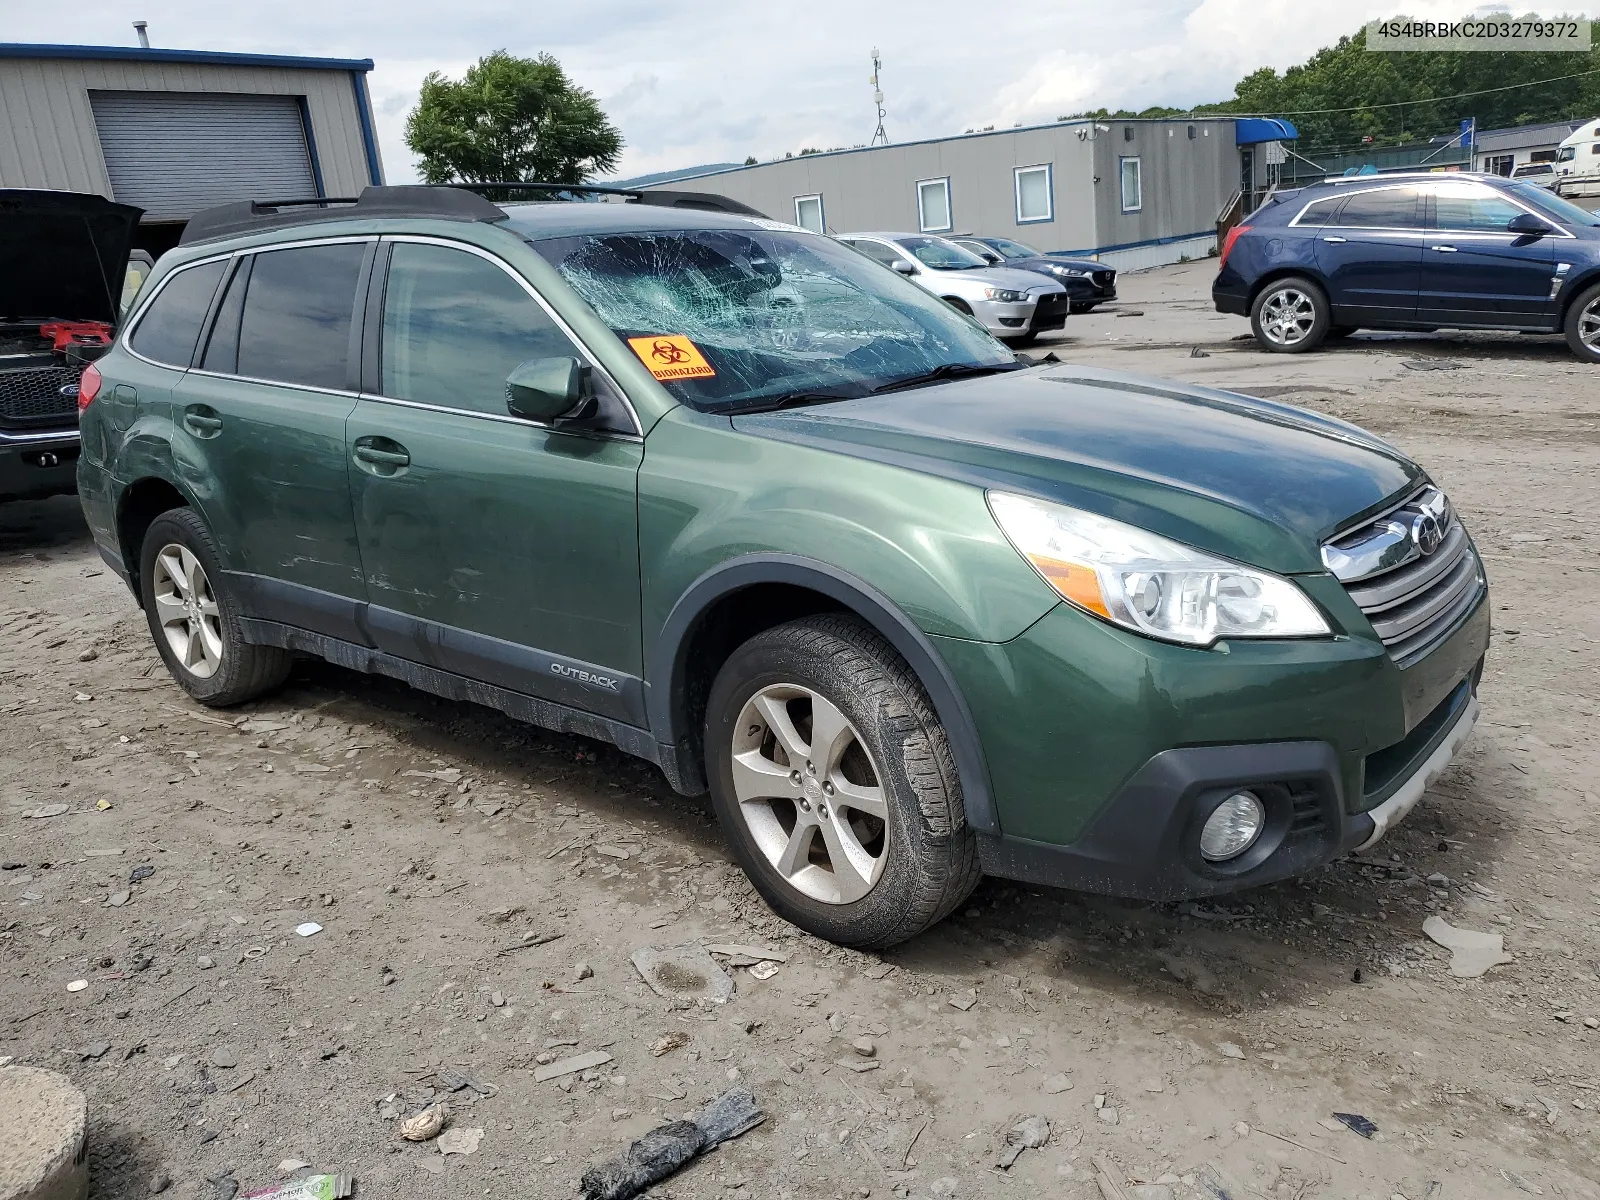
(295, 326)
(454, 327)
(1319, 212)
(171, 325)
(1384, 208)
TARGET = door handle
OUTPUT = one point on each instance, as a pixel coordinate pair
(1336, 239)
(202, 421)
(1443, 249)
(383, 458)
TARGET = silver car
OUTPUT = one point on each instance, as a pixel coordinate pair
(1015, 306)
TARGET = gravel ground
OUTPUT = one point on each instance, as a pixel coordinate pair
(481, 885)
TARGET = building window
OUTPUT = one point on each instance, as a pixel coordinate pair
(933, 205)
(808, 213)
(1034, 194)
(1499, 164)
(1132, 186)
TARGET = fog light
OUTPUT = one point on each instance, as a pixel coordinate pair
(1233, 828)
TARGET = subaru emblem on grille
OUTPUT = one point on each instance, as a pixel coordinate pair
(1426, 532)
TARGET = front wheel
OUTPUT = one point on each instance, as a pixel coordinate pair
(1583, 325)
(195, 622)
(1291, 316)
(834, 783)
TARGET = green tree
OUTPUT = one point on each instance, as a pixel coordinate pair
(510, 119)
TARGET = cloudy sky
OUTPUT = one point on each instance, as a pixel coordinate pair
(697, 81)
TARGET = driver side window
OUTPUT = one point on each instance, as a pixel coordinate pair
(454, 326)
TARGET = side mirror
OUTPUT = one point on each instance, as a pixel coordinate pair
(543, 389)
(1527, 225)
(904, 267)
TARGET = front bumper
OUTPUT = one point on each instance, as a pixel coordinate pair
(1004, 318)
(34, 465)
(1107, 751)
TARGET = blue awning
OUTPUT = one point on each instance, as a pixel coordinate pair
(1247, 131)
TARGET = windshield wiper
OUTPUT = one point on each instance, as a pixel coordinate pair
(789, 400)
(947, 371)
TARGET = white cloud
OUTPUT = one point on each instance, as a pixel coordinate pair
(711, 80)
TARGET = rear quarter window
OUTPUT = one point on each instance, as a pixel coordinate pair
(170, 327)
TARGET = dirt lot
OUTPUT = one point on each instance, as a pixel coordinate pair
(1199, 1051)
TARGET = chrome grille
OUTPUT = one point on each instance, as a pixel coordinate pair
(1102, 278)
(1412, 571)
(31, 396)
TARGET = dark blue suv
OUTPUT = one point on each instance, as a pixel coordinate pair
(1415, 251)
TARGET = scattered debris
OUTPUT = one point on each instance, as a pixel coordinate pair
(668, 1042)
(865, 1047)
(290, 1165)
(1430, 364)
(224, 1058)
(48, 810)
(118, 899)
(77, 985)
(750, 954)
(1196, 352)
(569, 1066)
(964, 1000)
(93, 1050)
(447, 775)
(1054, 1085)
(664, 1149)
(1193, 972)
(581, 972)
(425, 1124)
(1356, 1123)
(308, 928)
(1471, 953)
(1027, 1134)
(684, 973)
(1229, 1050)
(307, 1187)
(530, 938)
(142, 871)
(460, 1141)
(764, 970)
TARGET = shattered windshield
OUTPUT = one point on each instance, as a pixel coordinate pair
(730, 318)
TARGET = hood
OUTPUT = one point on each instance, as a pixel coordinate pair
(63, 255)
(1001, 277)
(1253, 480)
(1083, 264)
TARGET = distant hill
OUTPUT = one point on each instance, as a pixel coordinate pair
(666, 176)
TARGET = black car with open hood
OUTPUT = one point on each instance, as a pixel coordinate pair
(63, 261)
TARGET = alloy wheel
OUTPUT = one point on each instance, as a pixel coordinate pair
(810, 794)
(1287, 317)
(187, 611)
(1589, 325)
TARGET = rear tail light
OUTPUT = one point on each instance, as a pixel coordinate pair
(1227, 244)
(88, 386)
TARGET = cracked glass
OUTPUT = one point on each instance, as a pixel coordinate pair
(776, 315)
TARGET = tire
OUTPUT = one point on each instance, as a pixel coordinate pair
(202, 643)
(961, 306)
(1582, 325)
(1020, 340)
(908, 856)
(1291, 316)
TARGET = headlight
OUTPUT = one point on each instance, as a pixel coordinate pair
(1148, 584)
(1004, 294)
(1073, 271)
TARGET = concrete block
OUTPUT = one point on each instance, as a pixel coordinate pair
(43, 1154)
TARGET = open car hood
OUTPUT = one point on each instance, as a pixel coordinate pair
(62, 255)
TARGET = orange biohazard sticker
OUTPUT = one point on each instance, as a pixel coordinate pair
(671, 356)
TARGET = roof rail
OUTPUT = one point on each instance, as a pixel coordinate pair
(253, 216)
(453, 202)
(707, 201)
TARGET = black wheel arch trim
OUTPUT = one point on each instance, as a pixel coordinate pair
(667, 663)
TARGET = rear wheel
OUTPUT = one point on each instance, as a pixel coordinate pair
(195, 621)
(834, 783)
(1583, 325)
(1291, 316)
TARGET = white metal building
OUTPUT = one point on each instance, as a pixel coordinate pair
(1135, 193)
(175, 131)
(1501, 151)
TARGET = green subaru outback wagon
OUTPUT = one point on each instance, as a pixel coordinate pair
(753, 507)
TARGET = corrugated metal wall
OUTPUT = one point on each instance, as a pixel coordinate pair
(1186, 182)
(48, 137)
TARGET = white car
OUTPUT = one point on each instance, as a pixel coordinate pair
(1015, 306)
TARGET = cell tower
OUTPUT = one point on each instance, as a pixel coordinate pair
(878, 135)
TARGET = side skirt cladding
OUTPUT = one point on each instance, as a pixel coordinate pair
(450, 686)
